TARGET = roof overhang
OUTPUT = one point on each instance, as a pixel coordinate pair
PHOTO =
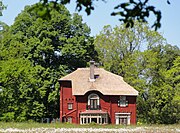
(94, 112)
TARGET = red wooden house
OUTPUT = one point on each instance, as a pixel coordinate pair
(96, 95)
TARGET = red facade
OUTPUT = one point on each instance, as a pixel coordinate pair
(95, 95)
(102, 109)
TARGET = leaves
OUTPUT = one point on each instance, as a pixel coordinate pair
(152, 70)
(35, 53)
(2, 7)
(130, 11)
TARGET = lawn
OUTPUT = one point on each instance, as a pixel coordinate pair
(92, 128)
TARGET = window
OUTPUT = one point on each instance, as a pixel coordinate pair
(101, 118)
(64, 119)
(69, 119)
(122, 102)
(122, 118)
(70, 106)
(93, 102)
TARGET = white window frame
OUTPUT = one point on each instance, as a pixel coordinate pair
(69, 119)
(88, 118)
(70, 106)
(93, 96)
(126, 116)
(122, 102)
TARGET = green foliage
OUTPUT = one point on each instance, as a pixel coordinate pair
(20, 97)
(2, 7)
(128, 11)
(160, 92)
(173, 78)
(133, 10)
(35, 52)
(152, 70)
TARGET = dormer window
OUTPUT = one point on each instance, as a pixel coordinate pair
(122, 102)
(96, 76)
(93, 102)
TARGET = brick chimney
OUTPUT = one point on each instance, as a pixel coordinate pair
(91, 78)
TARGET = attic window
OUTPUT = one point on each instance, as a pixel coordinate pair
(93, 102)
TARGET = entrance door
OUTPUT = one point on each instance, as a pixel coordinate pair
(94, 120)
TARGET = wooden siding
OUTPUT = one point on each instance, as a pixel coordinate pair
(108, 104)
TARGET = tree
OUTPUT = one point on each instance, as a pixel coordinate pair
(22, 96)
(122, 51)
(62, 38)
(172, 77)
(128, 11)
(116, 45)
(2, 7)
(41, 50)
(119, 51)
(158, 61)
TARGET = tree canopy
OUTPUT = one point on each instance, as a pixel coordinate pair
(2, 7)
(128, 11)
(35, 52)
(145, 60)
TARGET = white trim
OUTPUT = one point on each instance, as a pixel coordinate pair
(69, 119)
(89, 98)
(122, 102)
(70, 106)
(122, 113)
(87, 118)
(119, 116)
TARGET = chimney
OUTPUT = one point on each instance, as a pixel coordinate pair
(92, 79)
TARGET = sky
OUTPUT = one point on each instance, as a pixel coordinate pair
(100, 17)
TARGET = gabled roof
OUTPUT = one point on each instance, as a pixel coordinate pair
(106, 82)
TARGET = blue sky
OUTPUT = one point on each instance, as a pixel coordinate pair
(170, 28)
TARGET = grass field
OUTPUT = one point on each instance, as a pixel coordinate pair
(92, 128)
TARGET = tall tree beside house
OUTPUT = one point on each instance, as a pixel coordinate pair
(116, 46)
(159, 93)
(122, 51)
(173, 78)
(40, 50)
(22, 95)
